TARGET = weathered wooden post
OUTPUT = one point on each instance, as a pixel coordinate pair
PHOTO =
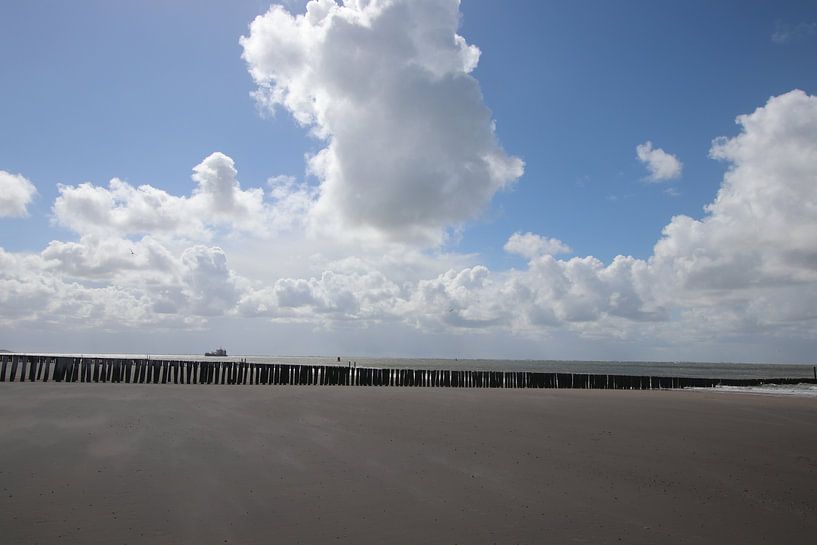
(57, 376)
(46, 369)
(32, 368)
(70, 370)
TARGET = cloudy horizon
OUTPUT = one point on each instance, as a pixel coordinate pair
(409, 207)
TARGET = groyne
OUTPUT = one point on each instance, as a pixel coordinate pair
(44, 368)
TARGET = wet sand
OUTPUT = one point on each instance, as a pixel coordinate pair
(127, 463)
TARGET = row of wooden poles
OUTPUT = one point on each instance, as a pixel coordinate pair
(158, 371)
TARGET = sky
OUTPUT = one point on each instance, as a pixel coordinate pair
(425, 178)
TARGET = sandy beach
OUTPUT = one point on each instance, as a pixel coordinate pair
(125, 463)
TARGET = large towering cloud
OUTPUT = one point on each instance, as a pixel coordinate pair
(410, 145)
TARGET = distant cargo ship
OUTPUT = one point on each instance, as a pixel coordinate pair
(216, 352)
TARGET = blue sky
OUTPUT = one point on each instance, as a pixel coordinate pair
(144, 91)
(99, 87)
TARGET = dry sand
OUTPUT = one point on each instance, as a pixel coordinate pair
(125, 463)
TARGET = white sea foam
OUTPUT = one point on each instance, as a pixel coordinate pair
(800, 390)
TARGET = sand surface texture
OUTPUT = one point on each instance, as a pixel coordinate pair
(124, 463)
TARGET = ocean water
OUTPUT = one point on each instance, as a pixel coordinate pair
(638, 368)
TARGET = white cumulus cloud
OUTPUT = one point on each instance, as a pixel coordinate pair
(661, 165)
(761, 229)
(531, 245)
(216, 200)
(16, 193)
(410, 145)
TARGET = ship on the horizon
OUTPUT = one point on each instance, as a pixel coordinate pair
(217, 352)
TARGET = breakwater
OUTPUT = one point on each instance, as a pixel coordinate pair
(44, 368)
